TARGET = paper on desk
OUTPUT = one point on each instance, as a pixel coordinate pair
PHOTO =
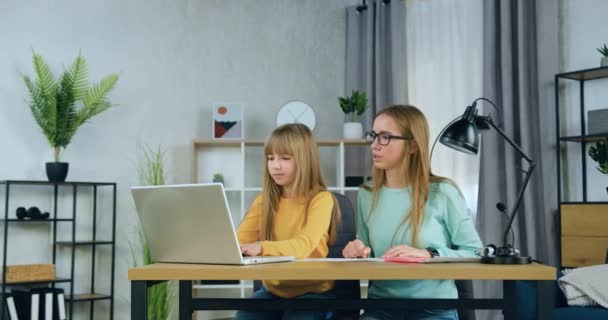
(343, 259)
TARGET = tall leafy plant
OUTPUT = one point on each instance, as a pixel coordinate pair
(151, 171)
(60, 106)
(355, 105)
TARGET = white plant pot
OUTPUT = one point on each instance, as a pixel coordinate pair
(604, 62)
(353, 130)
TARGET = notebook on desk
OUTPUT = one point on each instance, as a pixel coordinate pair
(191, 223)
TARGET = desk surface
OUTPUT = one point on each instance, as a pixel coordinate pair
(300, 270)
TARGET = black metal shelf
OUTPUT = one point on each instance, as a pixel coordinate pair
(586, 74)
(34, 221)
(586, 138)
(20, 283)
(582, 77)
(48, 183)
(84, 243)
(82, 297)
(57, 189)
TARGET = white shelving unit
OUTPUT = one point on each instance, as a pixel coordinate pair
(242, 162)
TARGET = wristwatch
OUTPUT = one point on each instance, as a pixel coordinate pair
(433, 252)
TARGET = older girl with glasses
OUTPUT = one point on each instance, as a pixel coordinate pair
(407, 211)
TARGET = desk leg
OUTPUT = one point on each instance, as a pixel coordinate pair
(545, 299)
(509, 296)
(139, 300)
(185, 300)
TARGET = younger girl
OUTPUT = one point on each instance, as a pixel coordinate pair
(294, 215)
(406, 211)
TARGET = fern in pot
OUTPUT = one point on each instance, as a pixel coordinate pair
(353, 107)
(60, 106)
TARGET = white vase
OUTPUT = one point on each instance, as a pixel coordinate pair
(604, 62)
(353, 130)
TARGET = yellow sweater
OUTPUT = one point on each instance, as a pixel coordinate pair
(293, 236)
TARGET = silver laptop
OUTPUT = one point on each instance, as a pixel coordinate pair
(191, 223)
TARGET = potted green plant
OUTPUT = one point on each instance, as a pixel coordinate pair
(353, 107)
(604, 51)
(218, 177)
(599, 153)
(60, 106)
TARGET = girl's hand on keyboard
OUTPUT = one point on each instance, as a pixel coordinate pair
(251, 249)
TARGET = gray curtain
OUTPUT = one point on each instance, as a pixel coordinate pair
(375, 63)
(519, 66)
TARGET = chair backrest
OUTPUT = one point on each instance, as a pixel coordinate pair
(346, 232)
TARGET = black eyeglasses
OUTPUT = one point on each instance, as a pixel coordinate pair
(383, 138)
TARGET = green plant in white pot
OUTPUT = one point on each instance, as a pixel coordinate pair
(218, 177)
(60, 106)
(604, 51)
(353, 107)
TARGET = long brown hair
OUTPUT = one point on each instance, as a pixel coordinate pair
(296, 140)
(416, 166)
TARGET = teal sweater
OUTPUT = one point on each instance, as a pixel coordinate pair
(446, 227)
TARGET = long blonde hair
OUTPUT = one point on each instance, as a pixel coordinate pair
(416, 166)
(296, 140)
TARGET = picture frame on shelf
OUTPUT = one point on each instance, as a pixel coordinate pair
(228, 121)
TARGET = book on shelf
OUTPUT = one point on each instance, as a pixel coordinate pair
(10, 311)
(39, 303)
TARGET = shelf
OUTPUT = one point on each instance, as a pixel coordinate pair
(257, 142)
(257, 189)
(33, 221)
(589, 138)
(87, 297)
(56, 280)
(73, 188)
(584, 202)
(343, 188)
(84, 243)
(47, 183)
(587, 74)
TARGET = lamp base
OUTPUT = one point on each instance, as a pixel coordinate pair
(506, 260)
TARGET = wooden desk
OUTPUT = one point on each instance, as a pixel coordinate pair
(143, 277)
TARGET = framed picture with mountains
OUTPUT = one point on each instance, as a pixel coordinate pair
(228, 121)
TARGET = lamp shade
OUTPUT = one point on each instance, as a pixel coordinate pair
(461, 135)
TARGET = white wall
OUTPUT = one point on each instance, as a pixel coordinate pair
(175, 59)
(583, 25)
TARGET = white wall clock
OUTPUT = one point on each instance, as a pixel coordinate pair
(297, 111)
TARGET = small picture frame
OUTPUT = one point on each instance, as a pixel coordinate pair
(228, 121)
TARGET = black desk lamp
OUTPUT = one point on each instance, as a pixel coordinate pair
(463, 135)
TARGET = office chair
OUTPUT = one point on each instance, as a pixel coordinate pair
(346, 233)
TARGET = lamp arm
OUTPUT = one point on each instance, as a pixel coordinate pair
(531, 166)
(518, 201)
(489, 121)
